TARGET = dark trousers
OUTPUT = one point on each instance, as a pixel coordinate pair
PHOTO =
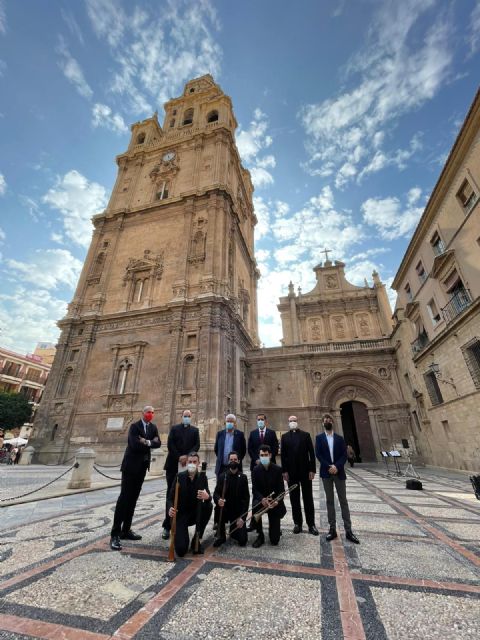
(240, 535)
(305, 485)
(127, 501)
(170, 480)
(186, 520)
(341, 487)
(273, 526)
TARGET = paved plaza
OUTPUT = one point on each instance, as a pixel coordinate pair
(415, 574)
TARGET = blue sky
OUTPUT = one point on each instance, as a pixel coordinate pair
(347, 111)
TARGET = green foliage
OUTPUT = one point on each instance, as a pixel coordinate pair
(14, 410)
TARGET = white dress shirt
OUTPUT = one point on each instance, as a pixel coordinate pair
(330, 444)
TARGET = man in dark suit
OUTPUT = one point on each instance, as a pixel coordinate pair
(260, 436)
(267, 479)
(193, 488)
(229, 439)
(299, 467)
(232, 498)
(142, 437)
(331, 451)
(182, 439)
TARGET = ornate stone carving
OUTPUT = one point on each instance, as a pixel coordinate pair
(339, 326)
(315, 326)
(364, 324)
(331, 282)
(150, 262)
(165, 169)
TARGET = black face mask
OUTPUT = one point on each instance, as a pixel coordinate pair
(233, 466)
(328, 426)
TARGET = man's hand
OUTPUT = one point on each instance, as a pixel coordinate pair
(142, 440)
(332, 469)
(266, 502)
(274, 504)
(311, 475)
(285, 477)
(171, 512)
(221, 502)
(202, 494)
(257, 461)
(240, 523)
(183, 460)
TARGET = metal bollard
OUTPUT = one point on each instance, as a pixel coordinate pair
(82, 474)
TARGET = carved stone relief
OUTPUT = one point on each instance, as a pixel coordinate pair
(315, 327)
(338, 323)
(331, 282)
(363, 322)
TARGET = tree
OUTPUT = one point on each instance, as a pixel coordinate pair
(14, 410)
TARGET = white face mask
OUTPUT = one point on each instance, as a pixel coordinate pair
(265, 460)
(293, 425)
(191, 467)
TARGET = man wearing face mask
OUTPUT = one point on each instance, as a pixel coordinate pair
(229, 439)
(331, 451)
(182, 439)
(142, 437)
(267, 479)
(299, 467)
(190, 492)
(260, 436)
(235, 502)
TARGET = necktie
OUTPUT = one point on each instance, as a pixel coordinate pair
(146, 428)
(262, 433)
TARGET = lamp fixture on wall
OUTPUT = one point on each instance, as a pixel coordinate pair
(435, 369)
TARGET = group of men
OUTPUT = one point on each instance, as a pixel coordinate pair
(189, 499)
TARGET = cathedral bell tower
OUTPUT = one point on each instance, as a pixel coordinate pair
(166, 305)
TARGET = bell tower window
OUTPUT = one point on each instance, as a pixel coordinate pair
(141, 138)
(212, 116)
(188, 117)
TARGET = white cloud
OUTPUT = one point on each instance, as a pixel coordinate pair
(77, 200)
(404, 66)
(2, 235)
(102, 116)
(474, 31)
(54, 267)
(390, 217)
(398, 158)
(72, 24)
(32, 206)
(3, 184)
(157, 51)
(28, 316)
(251, 143)
(72, 70)
(262, 212)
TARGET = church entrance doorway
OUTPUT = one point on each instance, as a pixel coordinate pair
(357, 430)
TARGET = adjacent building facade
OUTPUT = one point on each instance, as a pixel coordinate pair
(437, 320)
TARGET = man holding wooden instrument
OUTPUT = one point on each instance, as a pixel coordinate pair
(267, 485)
(232, 498)
(194, 506)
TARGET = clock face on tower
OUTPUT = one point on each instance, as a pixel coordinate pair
(169, 156)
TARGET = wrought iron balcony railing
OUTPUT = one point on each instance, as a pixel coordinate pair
(460, 301)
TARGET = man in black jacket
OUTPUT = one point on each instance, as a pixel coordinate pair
(267, 479)
(299, 467)
(142, 437)
(259, 436)
(182, 439)
(233, 506)
(194, 505)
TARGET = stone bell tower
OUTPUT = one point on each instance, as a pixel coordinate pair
(166, 305)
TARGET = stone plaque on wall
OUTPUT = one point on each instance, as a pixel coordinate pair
(115, 424)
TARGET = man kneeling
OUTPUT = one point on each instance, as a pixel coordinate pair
(233, 486)
(194, 506)
(267, 485)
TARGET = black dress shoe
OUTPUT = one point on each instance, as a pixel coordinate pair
(259, 541)
(115, 543)
(130, 535)
(352, 537)
(331, 535)
(297, 528)
(313, 530)
(219, 541)
(166, 534)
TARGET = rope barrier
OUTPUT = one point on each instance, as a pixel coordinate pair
(104, 474)
(109, 466)
(29, 493)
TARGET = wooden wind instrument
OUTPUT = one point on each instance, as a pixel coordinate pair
(173, 529)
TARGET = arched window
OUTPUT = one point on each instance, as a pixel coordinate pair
(188, 116)
(172, 123)
(162, 193)
(64, 386)
(123, 376)
(139, 289)
(54, 432)
(141, 138)
(189, 371)
(212, 116)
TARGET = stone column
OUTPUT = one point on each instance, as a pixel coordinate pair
(82, 475)
(156, 463)
(27, 455)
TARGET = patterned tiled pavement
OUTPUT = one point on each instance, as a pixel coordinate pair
(415, 573)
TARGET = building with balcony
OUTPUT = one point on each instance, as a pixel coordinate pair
(437, 319)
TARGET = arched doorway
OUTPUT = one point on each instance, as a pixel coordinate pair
(357, 430)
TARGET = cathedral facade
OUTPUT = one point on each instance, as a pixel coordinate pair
(165, 311)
